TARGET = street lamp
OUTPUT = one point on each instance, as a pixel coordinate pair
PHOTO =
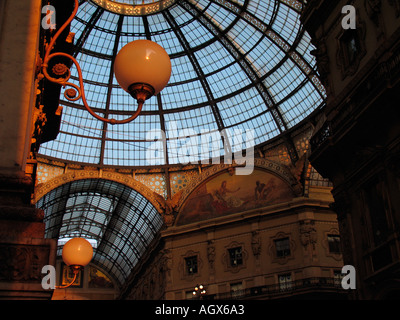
(142, 68)
(199, 291)
(76, 253)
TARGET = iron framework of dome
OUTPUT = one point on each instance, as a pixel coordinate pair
(236, 66)
(120, 222)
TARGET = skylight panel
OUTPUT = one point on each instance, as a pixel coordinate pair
(191, 122)
(86, 10)
(244, 36)
(220, 16)
(180, 15)
(284, 80)
(286, 23)
(85, 126)
(100, 41)
(74, 148)
(108, 21)
(183, 95)
(78, 27)
(241, 107)
(130, 153)
(213, 57)
(195, 34)
(168, 41)
(157, 23)
(96, 95)
(262, 9)
(93, 68)
(265, 56)
(182, 70)
(228, 81)
(261, 127)
(300, 104)
(132, 26)
(127, 132)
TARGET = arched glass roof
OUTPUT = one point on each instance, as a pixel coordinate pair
(119, 221)
(241, 65)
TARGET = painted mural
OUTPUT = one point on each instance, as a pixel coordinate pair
(227, 194)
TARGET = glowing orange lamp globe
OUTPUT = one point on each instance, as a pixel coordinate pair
(142, 68)
(77, 252)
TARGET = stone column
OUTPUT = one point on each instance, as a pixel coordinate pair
(23, 249)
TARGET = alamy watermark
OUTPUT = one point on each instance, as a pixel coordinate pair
(187, 146)
(49, 20)
(349, 20)
(348, 280)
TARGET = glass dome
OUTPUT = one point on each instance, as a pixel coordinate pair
(237, 66)
(119, 222)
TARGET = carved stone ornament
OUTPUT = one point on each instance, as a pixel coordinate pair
(169, 207)
(322, 58)
(308, 233)
(256, 243)
(21, 262)
(211, 254)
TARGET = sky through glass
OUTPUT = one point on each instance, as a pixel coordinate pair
(236, 65)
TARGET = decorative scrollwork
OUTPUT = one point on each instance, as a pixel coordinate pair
(76, 92)
(60, 69)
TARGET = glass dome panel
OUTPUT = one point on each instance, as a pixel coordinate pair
(235, 65)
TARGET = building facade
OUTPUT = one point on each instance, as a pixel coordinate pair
(356, 146)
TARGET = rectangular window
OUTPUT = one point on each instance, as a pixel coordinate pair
(235, 256)
(351, 46)
(191, 265)
(282, 247)
(285, 281)
(334, 243)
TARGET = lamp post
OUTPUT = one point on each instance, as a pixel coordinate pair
(76, 253)
(199, 291)
(142, 68)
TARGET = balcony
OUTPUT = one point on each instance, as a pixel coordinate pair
(309, 288)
